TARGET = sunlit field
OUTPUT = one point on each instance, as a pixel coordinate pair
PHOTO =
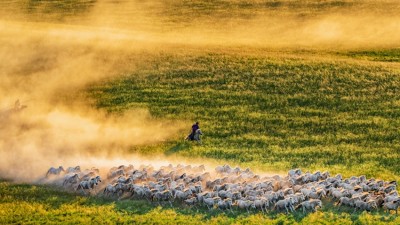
(275, 85)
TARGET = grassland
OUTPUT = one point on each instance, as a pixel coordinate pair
(271, 109)
(38, 204)
(272, 112)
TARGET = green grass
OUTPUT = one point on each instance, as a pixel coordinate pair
(32, 204)
(271, 112)
(383, 55)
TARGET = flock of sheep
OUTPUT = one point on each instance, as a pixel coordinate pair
(229, 188)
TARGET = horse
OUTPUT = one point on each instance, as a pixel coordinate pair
(195, 136)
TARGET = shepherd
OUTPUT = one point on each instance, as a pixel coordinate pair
(195, 127)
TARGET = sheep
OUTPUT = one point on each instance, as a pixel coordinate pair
(191, 201)
(297, 198)
(70, 179)
(362, 195)
(318, 194)
(223, 169)
(261, 203)
(112, 189)
(391, 197)
(288, 191)
(247, 190)
(76, 169)
(286, 204)
(138, 191)
(389, 188)
(310, 204)
(337, 194)
(378, 199)
(163, 196)
(182, 195)
(225, 194)
(243, 204)
(294, 172)
(116, 173)
(88, 184)
(225, 204)
(54, 171)
(209, 202)
(393, 205)
(88, 175)
(307, 191)
(325, 175)
(236, 195)
(346, 201)
(361, 205)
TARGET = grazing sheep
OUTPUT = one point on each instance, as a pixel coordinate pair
(191, 201)
(248, 191)
(209, 202)
(294, 172)
(311, 205)
(339, 193)
(389, 188)
(261, 203)
(391, 198)
(225, 204)
(225, 194)
(244, 204)
(112, 189)
(182, 195)
(285, 204)
(394, 205)
(361, 205)
(163, 196)
(318, 194)
(346, 201)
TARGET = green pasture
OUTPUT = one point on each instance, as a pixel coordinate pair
(38, 204)
(269, 109)
(271, 112)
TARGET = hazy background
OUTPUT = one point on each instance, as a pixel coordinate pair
(50, 50)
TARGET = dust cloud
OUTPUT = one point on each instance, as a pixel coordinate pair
(51, 50)
(44, 119)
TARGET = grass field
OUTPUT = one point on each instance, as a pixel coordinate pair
(272, 111)
(305, 105)
(33, 204)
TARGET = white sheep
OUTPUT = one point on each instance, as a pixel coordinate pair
(71, 179)
(55, 171)
(243, 204)
(90, 184)
(361, 205)
(394, 205)
(286, 204)
(76, 169)
(310, 204)
(209, 202)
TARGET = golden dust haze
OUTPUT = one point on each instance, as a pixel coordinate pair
(49, 48)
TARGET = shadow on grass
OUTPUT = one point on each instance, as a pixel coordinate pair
(178, 147)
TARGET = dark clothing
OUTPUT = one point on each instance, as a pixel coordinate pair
(194, 128)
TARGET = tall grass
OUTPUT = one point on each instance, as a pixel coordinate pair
(272, 112)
